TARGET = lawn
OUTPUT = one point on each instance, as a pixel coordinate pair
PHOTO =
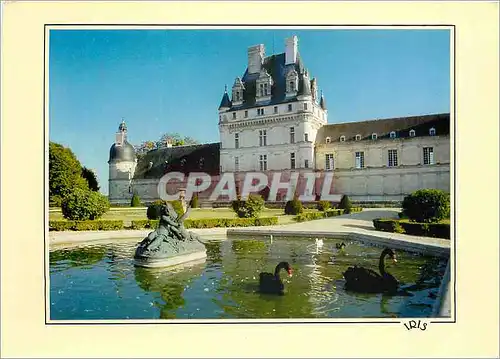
(130, 214)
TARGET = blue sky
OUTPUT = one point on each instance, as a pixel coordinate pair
(172, 80)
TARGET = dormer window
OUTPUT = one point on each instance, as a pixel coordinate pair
(264, 83)
(328, 140)
(234, 115)
(392, 134)
(432, 132)
(292, 80)
(237, 93)
(412, 133)
(374, 136)
(342, 138)
(358, 137)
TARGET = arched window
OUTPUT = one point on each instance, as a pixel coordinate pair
(342, 138)
(412, 133)
(432, 132)
(328, 140)
(374, 136)
(358, 137)
(392, 134)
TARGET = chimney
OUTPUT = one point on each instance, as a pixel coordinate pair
(291, 50)
(255, 58)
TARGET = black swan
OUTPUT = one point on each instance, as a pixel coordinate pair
(364, 280)
(272, 283)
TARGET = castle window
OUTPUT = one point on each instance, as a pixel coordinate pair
(234, 115)
(342, 138)
(292, 78)
(262, 137)
(290, 107)
(374, 136)
(236, 140)
(412, 133)
(306, 163)
(329, 161)
(358, 137)
(328, 140)
(246, 113)
(263, 162)
(237, 164)
(260, 112)
(306, 137)
(392, 134)
(305, 106)
(292, 134)
(275, 109)
(360, 160)
(428, 156)
(292, 161)
(432, 132)
(393, 158)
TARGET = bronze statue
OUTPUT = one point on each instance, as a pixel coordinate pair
(170, 239)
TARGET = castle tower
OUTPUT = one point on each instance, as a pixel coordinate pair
(122, 163)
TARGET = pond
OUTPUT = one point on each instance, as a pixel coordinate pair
(100, 282)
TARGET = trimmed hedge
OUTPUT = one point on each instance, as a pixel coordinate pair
(212, 222)
(324, 205)
(90, 225)
(311, 216)
(438, 230)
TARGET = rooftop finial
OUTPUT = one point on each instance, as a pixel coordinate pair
(225, 88)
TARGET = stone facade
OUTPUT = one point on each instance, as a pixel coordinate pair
(274, 120)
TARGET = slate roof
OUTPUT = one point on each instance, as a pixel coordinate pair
(183, 159)
(401, 125)
(225, 102)
(125, 152)
(275, 66)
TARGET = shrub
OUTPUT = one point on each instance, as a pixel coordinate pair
(249, 208)
(323, 205)
(90, 225)
(294, 207)
(345, 204)
(84, 204)
(194, 202)
(427, 205)
(136, 201)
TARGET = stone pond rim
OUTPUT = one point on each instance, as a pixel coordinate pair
(170, 261)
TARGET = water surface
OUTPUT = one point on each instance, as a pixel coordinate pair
(101, 282)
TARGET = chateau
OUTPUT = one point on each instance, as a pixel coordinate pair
(275, 120)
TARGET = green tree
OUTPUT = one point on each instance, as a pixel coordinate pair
(84, 204)
(91, 179)
(427, 205)
(65, 173)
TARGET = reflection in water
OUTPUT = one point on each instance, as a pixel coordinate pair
(101, 282)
